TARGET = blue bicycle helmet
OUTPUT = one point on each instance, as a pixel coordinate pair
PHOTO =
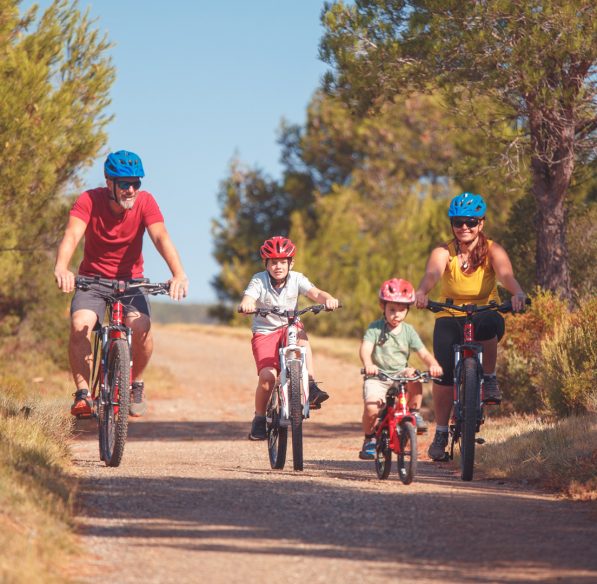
(467, 205)
(123, 164)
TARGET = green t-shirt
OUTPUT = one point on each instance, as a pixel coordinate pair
(391, 350)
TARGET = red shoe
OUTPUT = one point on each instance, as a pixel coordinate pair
(82, 406)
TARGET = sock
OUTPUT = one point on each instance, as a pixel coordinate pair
(258, 417)
(369, 436)
(442, 429)
(414, 410)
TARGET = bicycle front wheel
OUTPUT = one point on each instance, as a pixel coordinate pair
(114, 403)
(383, 455)
(296, 414)
(277, 437)
(407, 457)
(469, 393)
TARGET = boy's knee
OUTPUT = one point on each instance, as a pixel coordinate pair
(267, 376)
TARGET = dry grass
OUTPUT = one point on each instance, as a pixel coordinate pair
(35, 490)
(560, 456)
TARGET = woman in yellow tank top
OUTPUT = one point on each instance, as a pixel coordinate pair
(468, 269)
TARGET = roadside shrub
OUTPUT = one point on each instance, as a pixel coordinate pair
(569, 373)
(520, 362)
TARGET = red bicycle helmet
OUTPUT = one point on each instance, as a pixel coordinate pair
(277, 247)
(397, 290)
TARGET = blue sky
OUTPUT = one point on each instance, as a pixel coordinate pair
(198, 83)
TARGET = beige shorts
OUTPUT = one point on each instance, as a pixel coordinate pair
(375, 390)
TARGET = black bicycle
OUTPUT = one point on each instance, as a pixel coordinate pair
(467, 411)
(110, 382)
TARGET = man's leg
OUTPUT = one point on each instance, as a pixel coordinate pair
(80, 357)
(140, 324)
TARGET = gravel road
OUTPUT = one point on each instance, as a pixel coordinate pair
(195, 501)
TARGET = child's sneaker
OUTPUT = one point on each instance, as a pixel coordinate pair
(437, 450)
(316, 396)
(367, 452)
(258, 429)
(421, 423)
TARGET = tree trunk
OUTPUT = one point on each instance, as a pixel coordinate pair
(552, 164)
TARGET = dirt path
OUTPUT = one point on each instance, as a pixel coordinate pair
(195, 501)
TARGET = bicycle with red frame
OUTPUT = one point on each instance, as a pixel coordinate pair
(396, 428)
(467, 411)
(110, 383)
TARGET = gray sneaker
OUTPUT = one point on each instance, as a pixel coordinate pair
(491, 390)
(421, 423)
(437, 450)
(258, 429)
(138, 405)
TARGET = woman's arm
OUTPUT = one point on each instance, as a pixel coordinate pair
(436, 266)
(502, 266)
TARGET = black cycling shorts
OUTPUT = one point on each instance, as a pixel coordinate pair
(448, 331)
(134, 301)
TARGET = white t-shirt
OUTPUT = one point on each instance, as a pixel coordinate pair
(266, 296)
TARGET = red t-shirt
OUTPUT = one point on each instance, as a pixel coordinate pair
(113, 243)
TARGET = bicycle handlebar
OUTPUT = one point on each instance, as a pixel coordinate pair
(122, 286)
(315, 308)
(466, 308)
(423, 376)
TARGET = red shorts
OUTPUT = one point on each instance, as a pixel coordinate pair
(266, 346)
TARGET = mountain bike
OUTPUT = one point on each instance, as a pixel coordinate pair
(288, 405)
(110, 383)
(396, 428)
(467, 411)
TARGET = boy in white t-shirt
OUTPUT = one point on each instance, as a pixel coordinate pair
(386, 346)
(281, 287)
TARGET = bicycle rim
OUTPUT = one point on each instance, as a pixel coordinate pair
(296, 414)
(114, 411)
(277, 437)
(407, 458)
(468, 394)
(383, 455)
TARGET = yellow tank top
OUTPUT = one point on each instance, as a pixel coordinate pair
(480, 287)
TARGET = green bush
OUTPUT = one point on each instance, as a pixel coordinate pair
(569, 356)
(520, 364)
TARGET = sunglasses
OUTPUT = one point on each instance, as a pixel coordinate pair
(125, 184)
(470, 222)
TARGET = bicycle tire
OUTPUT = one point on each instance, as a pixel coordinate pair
(113, 422)
(469, 392)
(383, 455)
(407, 458)
(296, 414)
(277, 438)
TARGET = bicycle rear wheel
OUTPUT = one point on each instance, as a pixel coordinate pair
(277, 437)
(469, 392)
(296, 414)
(114, 403)
(383, 455)
(407, 458)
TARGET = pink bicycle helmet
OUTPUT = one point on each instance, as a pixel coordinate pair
(397, 290)
(277, 247)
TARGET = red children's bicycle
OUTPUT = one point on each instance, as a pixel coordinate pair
(112, 363)
(396, 428)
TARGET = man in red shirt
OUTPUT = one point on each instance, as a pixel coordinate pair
(113, 220)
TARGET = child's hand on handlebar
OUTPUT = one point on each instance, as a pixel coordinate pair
(435, 371)
(371, 370)
(246, 306)
(331, 303)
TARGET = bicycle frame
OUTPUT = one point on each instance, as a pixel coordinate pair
(289, 352)
(104, 336)
(394, 413)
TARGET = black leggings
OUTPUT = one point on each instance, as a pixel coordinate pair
(448, 331)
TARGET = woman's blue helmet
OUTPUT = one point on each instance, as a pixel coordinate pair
(467, 205)
(123, 164)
